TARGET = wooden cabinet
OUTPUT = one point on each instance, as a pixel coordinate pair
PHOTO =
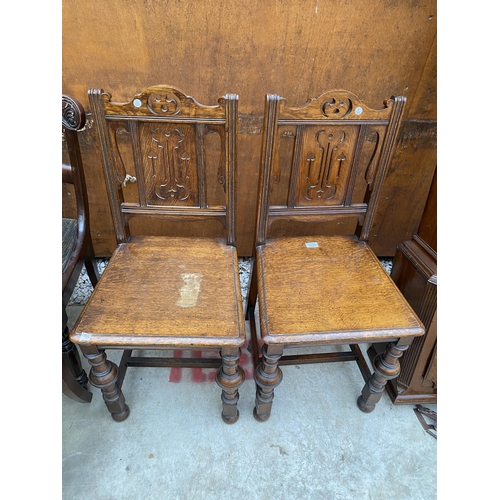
(415, 273)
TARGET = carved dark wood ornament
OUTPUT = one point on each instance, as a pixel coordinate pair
(161, 101)
(180, 153)
(163, 104)
(327, 152)
(324, 178)
(169, 163)
(337, 108)
(333, 167)
(73, 114)
(336, 105)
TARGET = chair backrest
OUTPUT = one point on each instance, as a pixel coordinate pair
(181, 155)
(73, 121)
(324, 160)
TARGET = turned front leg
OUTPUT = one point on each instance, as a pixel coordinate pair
(386, 367)
(229, 377)
(267, 376)
(104, 376)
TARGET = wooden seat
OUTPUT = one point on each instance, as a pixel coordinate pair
(167, 289)
(316, 279)
(77, 248)
(170, 163)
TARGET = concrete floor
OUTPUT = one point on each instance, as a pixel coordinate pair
(174, 445)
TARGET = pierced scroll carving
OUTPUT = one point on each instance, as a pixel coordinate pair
(170, 164)
(322, 181)
(163, 104)
(334, 108)
(73, 114)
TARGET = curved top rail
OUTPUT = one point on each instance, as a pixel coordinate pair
(335, 105)
(161, 101)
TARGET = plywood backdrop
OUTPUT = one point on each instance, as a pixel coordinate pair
(374, 48)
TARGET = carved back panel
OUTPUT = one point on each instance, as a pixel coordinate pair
(325, 160)
(165, 156)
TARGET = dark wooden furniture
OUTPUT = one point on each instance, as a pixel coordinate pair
(170, 161)
(322, 164)
(77, 247)
(415, 273)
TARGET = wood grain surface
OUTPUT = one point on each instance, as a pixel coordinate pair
(375, 48)
(328, 289)
(166, 292)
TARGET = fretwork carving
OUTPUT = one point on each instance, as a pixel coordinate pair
(170, 163)
(163, 104)
(334, 108)
(324, 178)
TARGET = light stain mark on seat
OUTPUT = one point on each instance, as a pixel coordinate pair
(190, 289)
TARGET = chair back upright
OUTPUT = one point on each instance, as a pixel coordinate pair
(325, 161)
(73, 122)
(167, 159)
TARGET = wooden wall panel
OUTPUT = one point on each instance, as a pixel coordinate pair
(374, 48)
(408, 181)
(423, 104)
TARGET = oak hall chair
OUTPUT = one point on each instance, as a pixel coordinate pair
(77, 247)
(169, 165)
(322, 167)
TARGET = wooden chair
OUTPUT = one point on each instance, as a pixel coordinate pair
(322, 167)
(169, 164)
(77, 247)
